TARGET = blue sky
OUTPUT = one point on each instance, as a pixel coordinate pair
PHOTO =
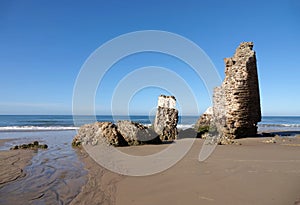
(43, 45)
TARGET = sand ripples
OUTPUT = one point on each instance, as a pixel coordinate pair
(55, 176)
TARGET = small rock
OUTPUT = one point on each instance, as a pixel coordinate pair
(44, 146)
(270, 141)
(24, 146)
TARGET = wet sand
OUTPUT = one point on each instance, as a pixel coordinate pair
(13, 163)
(48, 176)
(255, 172)
(100, 187)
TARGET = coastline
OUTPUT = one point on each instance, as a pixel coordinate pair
(256, 172)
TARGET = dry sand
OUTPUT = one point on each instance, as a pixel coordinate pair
(12, 164)
(252, 173)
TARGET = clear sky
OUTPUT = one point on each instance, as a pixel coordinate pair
(43, 45)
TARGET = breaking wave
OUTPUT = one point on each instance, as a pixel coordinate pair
(37, 128)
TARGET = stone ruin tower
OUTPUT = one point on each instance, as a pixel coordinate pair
(165, 123)
(236, 104)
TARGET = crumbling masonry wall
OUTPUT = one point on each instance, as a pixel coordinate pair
(236, 104)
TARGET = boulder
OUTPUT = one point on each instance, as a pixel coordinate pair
(135, 133)
(99, 132)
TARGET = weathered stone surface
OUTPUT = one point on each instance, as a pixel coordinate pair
(99, 132)
(204, 121)
(165, 123)
(219, 110)
(166, 101)
(135, 133)
(236, 102)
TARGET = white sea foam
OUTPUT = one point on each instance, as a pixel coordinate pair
(185, 126)
(278, 125)
(179, 126)
(36, 128)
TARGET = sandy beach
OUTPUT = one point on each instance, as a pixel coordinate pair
(255, 172)
(258, 171)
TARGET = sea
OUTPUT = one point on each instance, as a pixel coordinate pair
(56, 175)
(15, 123)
